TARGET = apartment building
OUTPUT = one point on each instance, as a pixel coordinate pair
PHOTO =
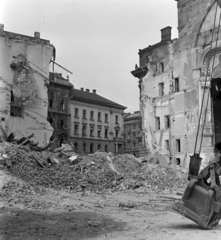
(96, 123)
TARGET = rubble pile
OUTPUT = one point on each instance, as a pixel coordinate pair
(94, 172)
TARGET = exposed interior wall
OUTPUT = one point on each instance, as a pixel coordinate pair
(184, 59)
(24, 73)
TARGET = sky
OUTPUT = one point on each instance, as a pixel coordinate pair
(97, 40)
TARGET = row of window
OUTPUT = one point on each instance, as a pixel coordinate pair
(92, 147)
(167, 123)
(99, 118)
(176, 87)
(92, 131)
(62, 105)
(177, 146)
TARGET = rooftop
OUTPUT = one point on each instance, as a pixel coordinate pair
(94, 98)
(133, 116)
(59, 79)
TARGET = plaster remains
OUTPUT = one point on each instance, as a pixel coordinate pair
(24, 73)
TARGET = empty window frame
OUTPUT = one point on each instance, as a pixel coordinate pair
(176, 85)
(76, 112)
(116, 133)
(116, 119)
(106, 117)
(106, 148)
(91, 148)
(161, 89)
(106, 132)
(162, 67)
(98, 147)
(84, 114)
(91, 131)
(99, 132)
(76, 127)
(92, 115)
(178, 145)
(84, 147)
(157, 123)
(167, 121)
(62, 124)
(76, 145)
(84, 129)
(62, 105)
(99, 117)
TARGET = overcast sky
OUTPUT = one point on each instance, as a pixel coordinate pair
(97, 40)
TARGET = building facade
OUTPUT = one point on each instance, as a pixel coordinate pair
(173, 78)
(96, 123)
(133, 133)
(59, 93)
(24, 72)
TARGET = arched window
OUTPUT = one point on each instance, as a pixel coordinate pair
(62, 124)
(98, 147)
(76, 145)
(62, 105)
(91, 148)
(84, 147)
(106, 148)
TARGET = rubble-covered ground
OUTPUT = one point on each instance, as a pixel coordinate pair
(94, 172)
(45, 195)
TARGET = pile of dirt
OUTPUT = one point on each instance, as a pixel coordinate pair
(94, 172)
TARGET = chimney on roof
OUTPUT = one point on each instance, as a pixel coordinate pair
(82, 89)
(87, 90)
(37, 34)
(166, 34)
(94, 91)
(1, 26)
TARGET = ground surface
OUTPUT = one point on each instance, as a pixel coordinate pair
(76, 216)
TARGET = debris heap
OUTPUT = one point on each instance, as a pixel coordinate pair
(94, 172)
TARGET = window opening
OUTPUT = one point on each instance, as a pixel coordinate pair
(157, 122)
(177, 85)
(178, 146)
(161, 89)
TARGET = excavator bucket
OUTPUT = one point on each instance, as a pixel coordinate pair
(194, 165)
(201, 201)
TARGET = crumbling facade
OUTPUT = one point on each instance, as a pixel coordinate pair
(24, 72)
(59, 115)
(96, 123)
(171, 80)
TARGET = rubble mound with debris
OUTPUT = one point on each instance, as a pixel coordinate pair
(94, 172)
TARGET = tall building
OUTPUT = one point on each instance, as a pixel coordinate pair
(173, 78)
(59, 115)
(133, 133)
(96, 123)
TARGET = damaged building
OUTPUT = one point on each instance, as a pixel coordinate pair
(172, 77)
(59, 115)
(24, 73)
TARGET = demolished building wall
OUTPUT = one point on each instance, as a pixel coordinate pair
(24, 72)
(175, 93)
